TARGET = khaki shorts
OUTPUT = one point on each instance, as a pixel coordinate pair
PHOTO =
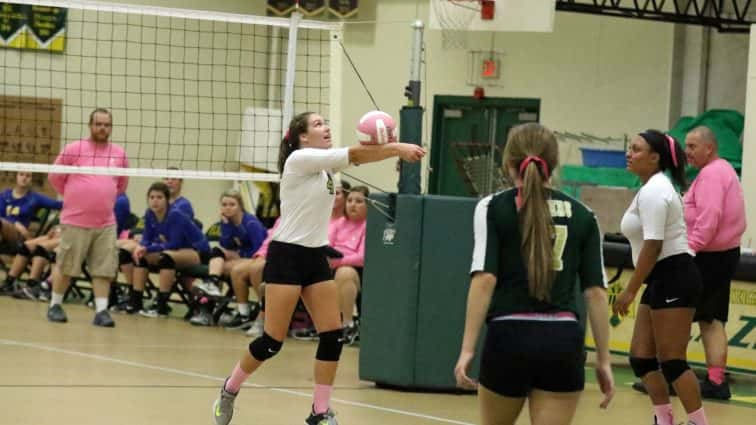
(95, 246)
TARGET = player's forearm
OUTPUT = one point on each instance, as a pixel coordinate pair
(478, 301)
(597, 305)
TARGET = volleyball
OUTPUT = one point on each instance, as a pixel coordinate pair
(376, 128)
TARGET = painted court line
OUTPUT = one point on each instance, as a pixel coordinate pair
(222, 379)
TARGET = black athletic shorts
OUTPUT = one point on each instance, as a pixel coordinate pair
(292, 264)
(674, 282)
(717, 270)
(522, 355)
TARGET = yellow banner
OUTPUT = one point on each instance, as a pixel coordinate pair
(741, 327)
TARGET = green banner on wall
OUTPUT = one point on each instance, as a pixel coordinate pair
(33, 27)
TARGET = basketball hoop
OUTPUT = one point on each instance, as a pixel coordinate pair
(455, 17)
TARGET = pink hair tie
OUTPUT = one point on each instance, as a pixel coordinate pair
(672, 149)
(539, 161)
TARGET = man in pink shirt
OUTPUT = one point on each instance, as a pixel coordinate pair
(87, 219)
(715, 220)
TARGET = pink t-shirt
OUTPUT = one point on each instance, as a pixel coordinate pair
(715, 209)
(349, 238)
(263, 250)
(88, 199)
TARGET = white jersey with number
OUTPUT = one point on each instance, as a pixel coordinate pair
(307, 195)
(656, 213)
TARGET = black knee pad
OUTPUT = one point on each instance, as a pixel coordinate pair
(217, 253)
(166, 262)
(672, 369)
(641, 366)
(329, 347)
(41, 252)
(23, 250)
(264, 347)
(124, 257)
(143, 263)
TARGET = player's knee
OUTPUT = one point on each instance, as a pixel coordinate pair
(216, 252)
(329, 347)
(264, 347)
(166, 262)
(672, 369)
(23, 250)
(124, 257)
(40, 252)
(642, 366)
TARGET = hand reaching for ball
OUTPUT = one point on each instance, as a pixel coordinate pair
(410, 152)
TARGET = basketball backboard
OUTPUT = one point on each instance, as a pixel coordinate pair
(509, 15)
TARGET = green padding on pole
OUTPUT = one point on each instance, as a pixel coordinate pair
(411, 131)
(390, 292)
(444, 282)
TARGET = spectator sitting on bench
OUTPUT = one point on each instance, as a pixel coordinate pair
(41, 252)
(348, 238)
(170, 240)
(241, 235)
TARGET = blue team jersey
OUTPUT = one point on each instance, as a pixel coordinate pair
(22, 209)
(245, 238)
(183, 205)
(176, 231)
(122, 210)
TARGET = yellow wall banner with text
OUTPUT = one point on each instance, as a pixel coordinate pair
(741, 327)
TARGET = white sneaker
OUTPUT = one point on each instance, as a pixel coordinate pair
(209, 288)
(257, 329)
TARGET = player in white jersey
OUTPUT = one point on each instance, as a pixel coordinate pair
(296, 263)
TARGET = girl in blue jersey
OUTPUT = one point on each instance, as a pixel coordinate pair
(17, 208)
(296, 264)
(241, 236)
(170, 240)
(176, 200)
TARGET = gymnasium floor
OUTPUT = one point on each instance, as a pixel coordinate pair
(164, 371)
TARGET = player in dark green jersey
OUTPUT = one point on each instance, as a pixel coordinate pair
(534, 246)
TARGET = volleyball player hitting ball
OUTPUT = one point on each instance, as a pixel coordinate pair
(524, 289)
(296, 263)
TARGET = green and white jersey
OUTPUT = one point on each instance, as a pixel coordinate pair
(578, 257)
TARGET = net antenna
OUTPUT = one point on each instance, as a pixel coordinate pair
(207, 92)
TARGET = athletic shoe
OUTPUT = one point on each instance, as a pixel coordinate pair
(8, 288)
(202, 318)
(27, 292)
(154, 311)
(237, 321)
(351, 334)
(326, 418)
(55, 313)
(257, 328)
(305, 334)
(209, 288)
(223, 407)
(103, 319)
(713, 391)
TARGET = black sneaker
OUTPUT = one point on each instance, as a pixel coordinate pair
(237, 321)
(638, 386)
(326, 418)
(154, 311)
(103, 319)
(27, 292)
(713, 391)
(55, 313)
(8, 288)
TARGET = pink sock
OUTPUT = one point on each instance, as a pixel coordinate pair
(237, 378)
(716, 374)
(321, 398)
(663, 413)
(698, 417)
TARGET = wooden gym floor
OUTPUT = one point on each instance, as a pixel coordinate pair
(164, 371)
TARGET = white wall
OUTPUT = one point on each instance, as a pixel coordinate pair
(598, 75)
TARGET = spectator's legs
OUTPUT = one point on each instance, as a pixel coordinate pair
(348, 283)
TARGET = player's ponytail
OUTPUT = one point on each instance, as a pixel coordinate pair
(290, 141)
(532, 152)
